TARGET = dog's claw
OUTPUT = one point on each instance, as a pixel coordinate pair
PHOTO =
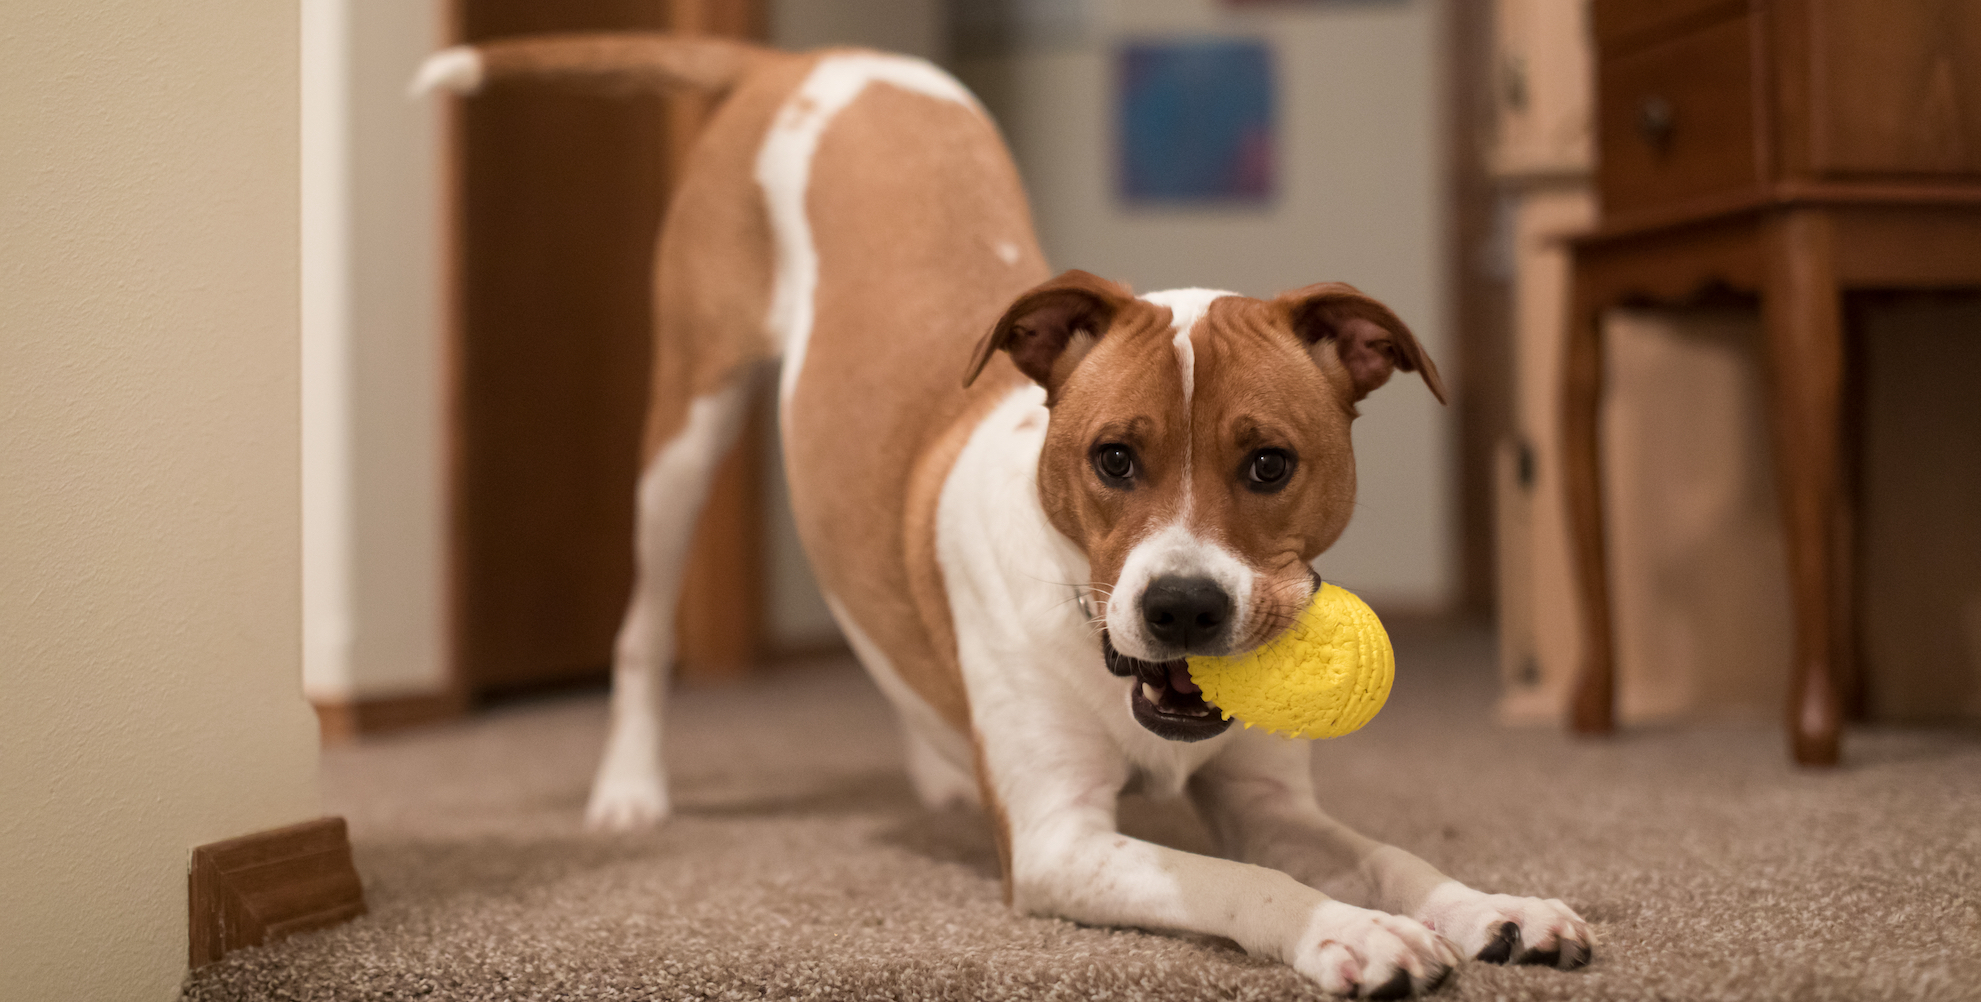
(1504, 929)
(1398, 986)
(1549, 958)
(1443, 978)
(1573, 955)
(1501, 947)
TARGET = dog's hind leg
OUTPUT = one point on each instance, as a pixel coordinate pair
(939, 782)
(630, 789)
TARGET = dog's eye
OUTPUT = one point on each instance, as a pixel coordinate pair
(1115, 463)
(1269, 469)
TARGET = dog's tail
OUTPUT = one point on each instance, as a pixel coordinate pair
(620, 62)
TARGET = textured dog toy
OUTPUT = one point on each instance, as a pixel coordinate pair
(1326, 676)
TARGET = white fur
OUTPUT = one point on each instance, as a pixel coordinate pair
(1059, 744)
(630, 789)
(1187, 308)
(458, 69)
(784, 171)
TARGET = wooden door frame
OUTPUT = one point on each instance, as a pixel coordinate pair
(722, 609)
(1481, 302)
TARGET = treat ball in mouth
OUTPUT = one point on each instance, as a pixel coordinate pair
(1325, 676)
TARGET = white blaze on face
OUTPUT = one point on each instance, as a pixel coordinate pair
(784, 171)
(1173, 550)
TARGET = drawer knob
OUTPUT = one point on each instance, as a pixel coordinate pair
(1655, 121)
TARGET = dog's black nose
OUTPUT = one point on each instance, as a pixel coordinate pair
(1185, 612)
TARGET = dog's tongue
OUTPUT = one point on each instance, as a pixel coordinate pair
(1179, 677)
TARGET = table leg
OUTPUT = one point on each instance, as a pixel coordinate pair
(1803, 317)
(1593, 710)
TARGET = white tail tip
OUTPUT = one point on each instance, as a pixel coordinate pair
(458, 69)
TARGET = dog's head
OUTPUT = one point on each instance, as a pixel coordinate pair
(1199, 453)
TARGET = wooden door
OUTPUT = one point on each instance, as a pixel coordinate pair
(557, 201)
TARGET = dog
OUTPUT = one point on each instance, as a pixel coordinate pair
(1021, 561)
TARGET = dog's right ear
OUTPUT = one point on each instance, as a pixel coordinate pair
(1050, 328)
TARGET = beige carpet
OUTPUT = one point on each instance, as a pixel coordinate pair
(800, 866)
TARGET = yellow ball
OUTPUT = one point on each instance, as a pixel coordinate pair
(1326, 676)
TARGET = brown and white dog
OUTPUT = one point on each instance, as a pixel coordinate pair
(1021, 565)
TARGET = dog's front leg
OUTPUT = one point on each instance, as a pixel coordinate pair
(1057, 795)
(1258, 798)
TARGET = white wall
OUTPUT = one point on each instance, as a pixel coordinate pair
(1361, 200)
(149, 512)
(374, 460)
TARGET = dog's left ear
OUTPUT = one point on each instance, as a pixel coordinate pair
(1364, 335)
(1051, 327)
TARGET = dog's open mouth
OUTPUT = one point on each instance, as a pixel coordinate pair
(1163, 698)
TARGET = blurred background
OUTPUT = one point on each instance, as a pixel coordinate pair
(476, 320)
(1700, 274)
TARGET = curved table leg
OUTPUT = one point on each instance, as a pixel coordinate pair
(1803, 317)
(1593, 710)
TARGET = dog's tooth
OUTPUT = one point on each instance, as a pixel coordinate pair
(1149, 693)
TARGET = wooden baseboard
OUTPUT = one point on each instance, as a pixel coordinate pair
(263, 887)
(345, 721)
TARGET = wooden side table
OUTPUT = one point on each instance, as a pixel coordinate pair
(1794, 151)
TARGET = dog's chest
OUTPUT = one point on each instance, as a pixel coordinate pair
(1031, 659)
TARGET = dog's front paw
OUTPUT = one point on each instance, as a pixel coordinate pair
(1358, 953)
(626, 803)
(1498, 928)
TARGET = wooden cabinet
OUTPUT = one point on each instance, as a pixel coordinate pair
(1790, 151)
(1669, 135)
(1706, 105)
(1885, 89)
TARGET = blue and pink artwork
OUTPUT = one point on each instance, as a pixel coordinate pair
(1195, 121)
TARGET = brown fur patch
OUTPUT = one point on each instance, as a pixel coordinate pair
(622, 62)
(712, 276)
(910, 199)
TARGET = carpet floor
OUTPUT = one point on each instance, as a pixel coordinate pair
(799, 865)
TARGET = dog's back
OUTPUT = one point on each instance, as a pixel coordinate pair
(852, 219)
(920, 236)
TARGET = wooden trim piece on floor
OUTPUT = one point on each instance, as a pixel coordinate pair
(270, 885)
(343, 722)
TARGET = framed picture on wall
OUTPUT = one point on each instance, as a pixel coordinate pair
(1195, 121)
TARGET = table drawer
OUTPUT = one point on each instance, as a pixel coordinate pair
(1675, 120)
